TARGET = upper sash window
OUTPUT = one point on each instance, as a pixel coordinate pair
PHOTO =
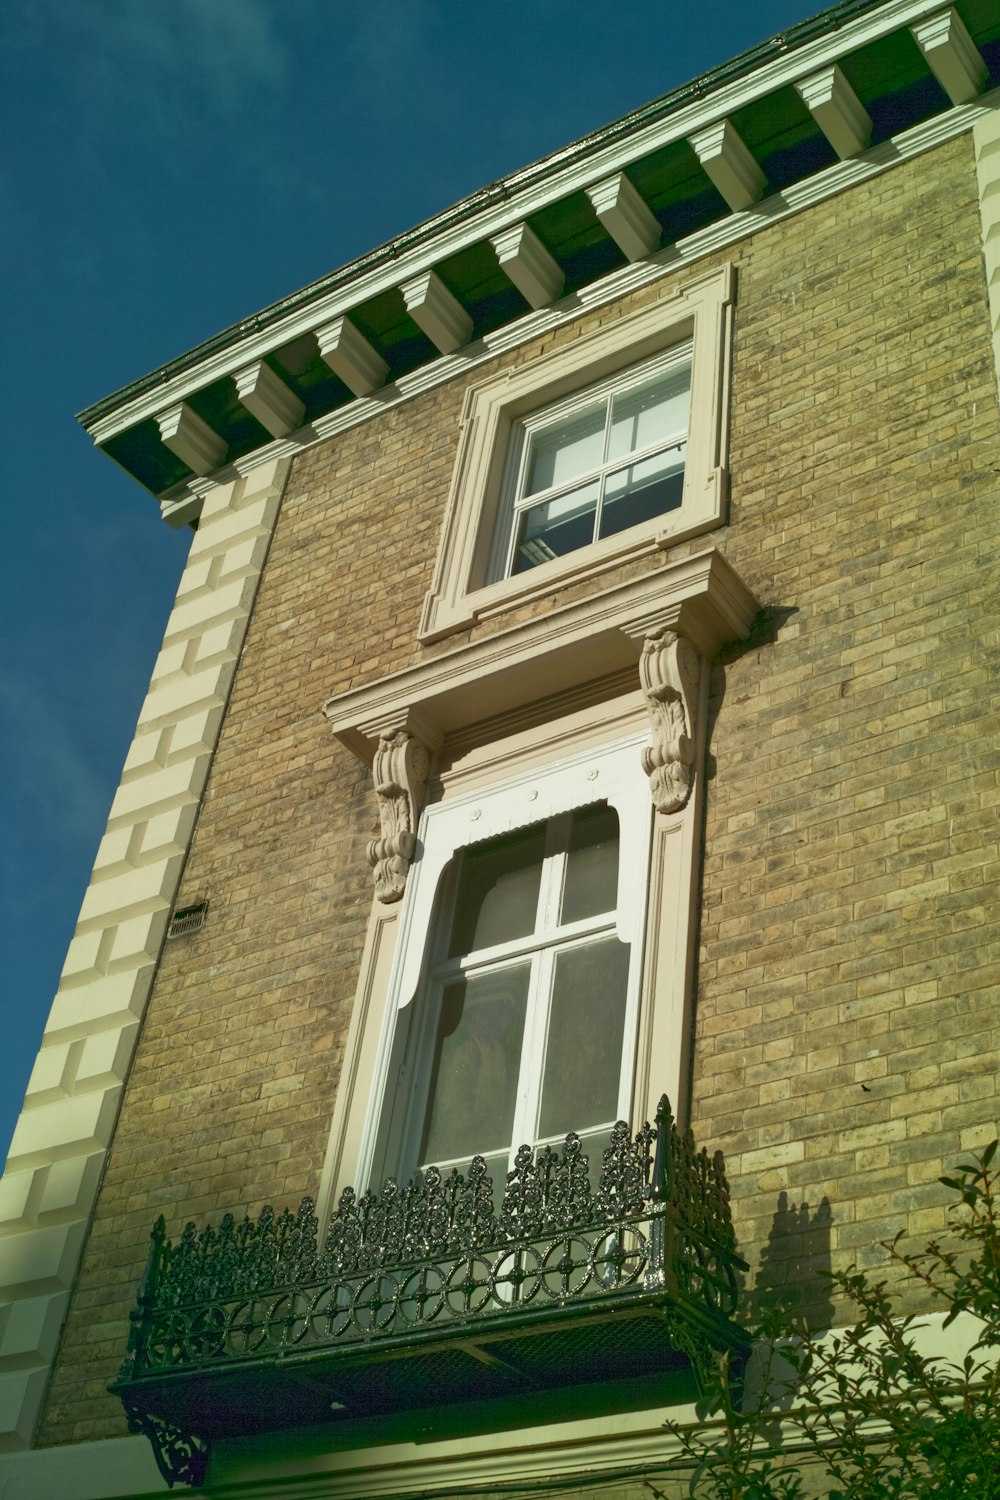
(598, 464)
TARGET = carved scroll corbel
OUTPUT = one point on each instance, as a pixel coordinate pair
(400, 772)
(669, 669)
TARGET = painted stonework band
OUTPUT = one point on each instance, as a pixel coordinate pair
(59, 1147)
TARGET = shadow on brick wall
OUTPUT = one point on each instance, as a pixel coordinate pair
(764, 632)
(791, 1290)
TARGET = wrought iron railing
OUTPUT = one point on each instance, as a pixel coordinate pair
(432, 1259)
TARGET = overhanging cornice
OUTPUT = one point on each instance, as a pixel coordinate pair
(749, 80)
(502, 192)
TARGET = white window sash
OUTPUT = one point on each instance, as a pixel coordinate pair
(610, 774)
(513, 500)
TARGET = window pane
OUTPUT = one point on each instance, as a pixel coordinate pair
(474, 1071)
(583, 1057)
(641, 491)
(498, 891)
(555, 527)
(559, 453)
(650, 413)
(591, 883)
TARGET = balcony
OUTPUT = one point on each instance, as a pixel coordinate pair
(430, 1295)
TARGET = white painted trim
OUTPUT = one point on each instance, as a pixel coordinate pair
(517, 496)
(698, 312)
(770, 211)
(701, 597)
(60, 1142)
(986, 143)
(625, 1445)
(585, 643)
(837, 111)
(437, 312)
(351, 357)
(278, 1466)
(952, 56)
(109, 1469)
(191, 439)
(611, 773)
(266, 397)
(559, 1452)
(729, 163)
(520, 202)
(509, 749)
(665, 1039)
(626, 216)
(523, 258)
(533, 795)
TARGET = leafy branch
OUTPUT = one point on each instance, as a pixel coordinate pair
(866, 1407)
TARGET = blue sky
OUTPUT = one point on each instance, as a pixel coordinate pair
(171, 167)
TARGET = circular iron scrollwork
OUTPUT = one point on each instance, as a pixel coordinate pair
(688, 1267)
(517, 1276)
(705, 1275)
(618, 1258)
(421, 1296)
(247, 1329)
(566, 1267)
(469, 1286)
(375, 1303)
(206, 1335)
(331, 1312)
(288, 1320)
(166, 1339)
(721, 1290)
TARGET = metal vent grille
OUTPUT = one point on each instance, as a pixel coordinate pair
(187, 919)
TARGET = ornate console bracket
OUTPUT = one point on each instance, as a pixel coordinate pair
(181, 1458)
(400, 771)
(669, 671)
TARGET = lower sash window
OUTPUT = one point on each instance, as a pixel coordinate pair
(515, 997)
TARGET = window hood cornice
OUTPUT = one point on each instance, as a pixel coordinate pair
(701, 598)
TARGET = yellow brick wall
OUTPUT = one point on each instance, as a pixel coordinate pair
(850, 952)
(850, 964)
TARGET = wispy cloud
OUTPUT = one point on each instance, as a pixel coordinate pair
(43, 762)
(113, 96)
(225, 50)
(161, 72)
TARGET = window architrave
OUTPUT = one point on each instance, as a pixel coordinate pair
(698, 312)
(471, 707)
(610, 773)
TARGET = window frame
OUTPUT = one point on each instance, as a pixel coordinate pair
(609, 773)
(699, 312)
(475, 710)
(514, 499)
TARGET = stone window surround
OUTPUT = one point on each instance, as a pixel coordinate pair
(701, 311)
(609, 773)
(634, 656)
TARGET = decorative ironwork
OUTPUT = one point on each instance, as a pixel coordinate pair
(179, 1456)
(434, 1256)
